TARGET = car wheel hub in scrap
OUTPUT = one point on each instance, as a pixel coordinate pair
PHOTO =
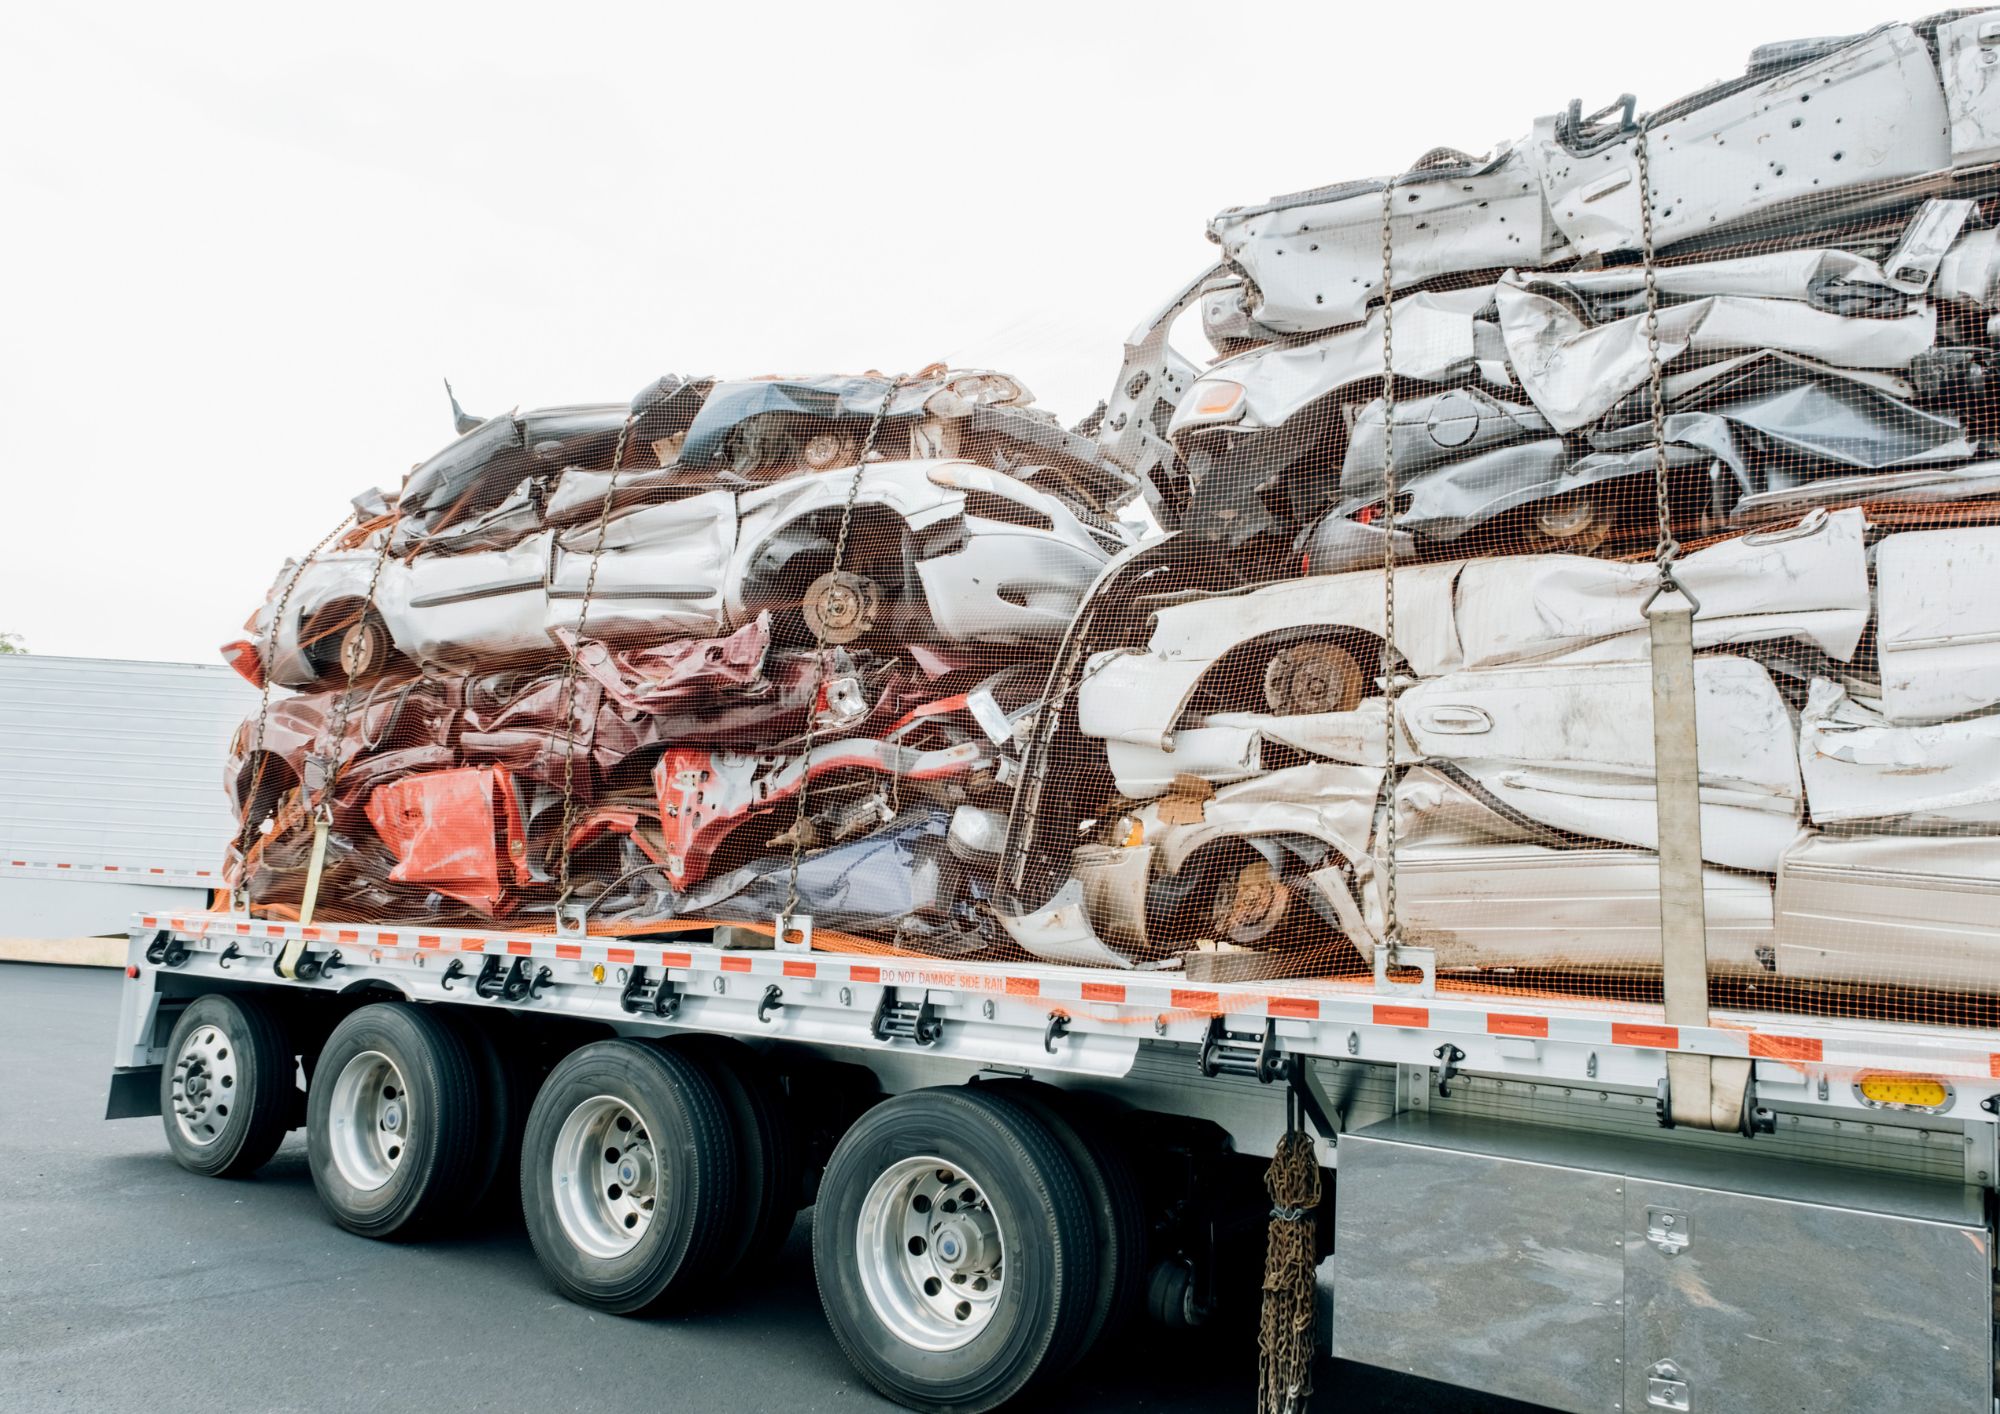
(840, 607)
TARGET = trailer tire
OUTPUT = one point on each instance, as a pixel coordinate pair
(227, 1090)
(624, 1138)
(490, 1189)
(901, 1254)
(768, 1180)
(393, 1122)
(1117, 1209)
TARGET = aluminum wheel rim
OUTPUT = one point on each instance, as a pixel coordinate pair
(369, 1122)
(606, 1177)
(931, 1253)
(204, 1084)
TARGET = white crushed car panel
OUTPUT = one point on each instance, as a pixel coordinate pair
(1571, 747)
(1576, 371)
(1808, 581)
(1858, 765)
(1969, 59)
(1316, 257)
(1911, 910)
(1435, 341)
(1868, 112)
(1940, 622)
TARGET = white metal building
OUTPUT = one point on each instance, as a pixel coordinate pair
(111, 798)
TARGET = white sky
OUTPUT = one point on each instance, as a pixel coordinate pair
(241, 246)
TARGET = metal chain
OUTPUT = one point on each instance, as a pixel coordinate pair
(1392, 932)
(571, 668)
(242, 891)
(820, 662)
(1668, 549)
(322, 811)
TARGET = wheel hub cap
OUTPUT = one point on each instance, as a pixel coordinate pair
(204, 1083)
(369, 1124)
(932, 1253)
(605, 1174)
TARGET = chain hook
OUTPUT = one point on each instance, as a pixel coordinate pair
(1667, 550)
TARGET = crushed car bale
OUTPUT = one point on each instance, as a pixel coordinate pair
(1118, 694)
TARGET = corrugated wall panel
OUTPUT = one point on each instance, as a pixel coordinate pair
(111, 762)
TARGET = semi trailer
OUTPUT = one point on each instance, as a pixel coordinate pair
(1507, 740)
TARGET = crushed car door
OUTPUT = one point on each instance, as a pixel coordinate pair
(661, 572)
(1571, 746)
(459, 610)
(1938, 631)
(1908, 910)
(1531, 906)
(1808, 581)
(1858, 765)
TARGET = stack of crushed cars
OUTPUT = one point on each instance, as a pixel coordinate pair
(1828, 277)
(618, 633)
(1023, 729)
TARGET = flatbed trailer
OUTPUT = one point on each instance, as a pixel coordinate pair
(1511, 1213)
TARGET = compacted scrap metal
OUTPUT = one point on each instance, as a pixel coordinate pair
(885, 651)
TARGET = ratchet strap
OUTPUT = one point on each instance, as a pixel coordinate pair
(1703, 1092)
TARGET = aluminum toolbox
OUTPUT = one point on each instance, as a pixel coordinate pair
(1586, 1272)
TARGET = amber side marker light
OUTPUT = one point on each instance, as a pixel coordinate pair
(1218, 397)
(1890, 1090)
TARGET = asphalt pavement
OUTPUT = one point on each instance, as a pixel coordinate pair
(126, 1283)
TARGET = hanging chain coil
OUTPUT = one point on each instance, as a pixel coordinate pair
(799, 822)
(242, 891)
(1286, 1341)
(571, 668)
(1392, 931)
